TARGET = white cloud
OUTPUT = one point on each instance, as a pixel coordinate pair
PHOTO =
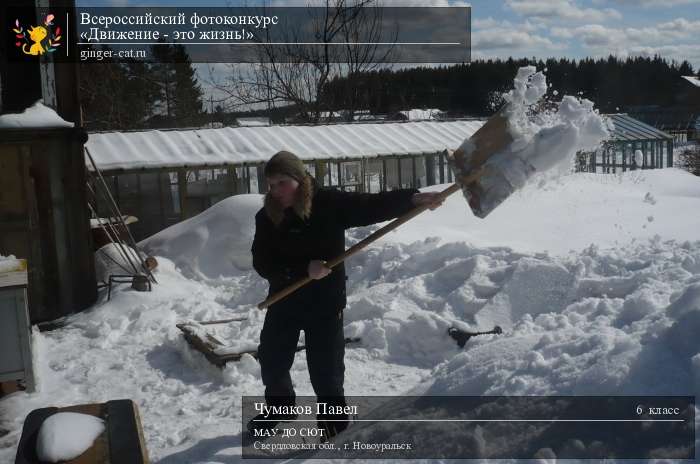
(648, 3)
(509, 38)
(490, 22)
(668, 33)
(561, 10)
(592, 35)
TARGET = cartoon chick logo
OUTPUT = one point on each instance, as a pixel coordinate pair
(37, 40)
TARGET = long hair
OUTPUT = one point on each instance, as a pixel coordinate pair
(302, 203)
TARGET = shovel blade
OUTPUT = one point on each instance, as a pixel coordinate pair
(487, 152)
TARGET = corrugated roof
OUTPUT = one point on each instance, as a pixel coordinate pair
(235, 145)
(629, 129)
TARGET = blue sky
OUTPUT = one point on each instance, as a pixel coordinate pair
(579, 28)
(527, 28)
(545, 28)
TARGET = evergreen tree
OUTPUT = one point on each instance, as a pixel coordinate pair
(115, 95)
(180, 95)
(613, 84)
(163, 75)
(187, 93)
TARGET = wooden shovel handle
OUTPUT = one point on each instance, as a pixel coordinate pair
(371, 238)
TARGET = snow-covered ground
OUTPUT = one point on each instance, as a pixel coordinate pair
(594, 278)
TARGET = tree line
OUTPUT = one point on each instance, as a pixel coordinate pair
(613, 84)
(167, 93)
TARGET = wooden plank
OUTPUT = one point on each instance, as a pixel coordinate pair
(124, 431)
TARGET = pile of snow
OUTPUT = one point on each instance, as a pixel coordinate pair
(10, 264)
(542, 140)
(591, 322)
(569, 213)
(35, 116)
(212, 244)
(66, 435)
(417, 114)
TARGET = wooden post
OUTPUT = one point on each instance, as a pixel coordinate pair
(340, 177)
(441, 161)
(398, 163)
(414, 180)
(430, 169)
(383, 187)
(318, 172)
(161, 203)
(231, 180)
(262, 183)
(182, 192)
(669, 153)
(363, 168)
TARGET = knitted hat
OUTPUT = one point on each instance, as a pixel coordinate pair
(284, 162)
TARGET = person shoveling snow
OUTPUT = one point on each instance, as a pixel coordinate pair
(300, 228)
(300, 233)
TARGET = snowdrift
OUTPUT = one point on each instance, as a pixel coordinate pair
(613, 302)
(214, 243)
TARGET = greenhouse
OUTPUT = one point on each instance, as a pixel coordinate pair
(165, 176)
(633, 145)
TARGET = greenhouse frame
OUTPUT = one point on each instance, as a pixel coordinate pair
(163, 177)
(618, 153)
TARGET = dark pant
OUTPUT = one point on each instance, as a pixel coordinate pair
(325, 350)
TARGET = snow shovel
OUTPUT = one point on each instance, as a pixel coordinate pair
(491, 138)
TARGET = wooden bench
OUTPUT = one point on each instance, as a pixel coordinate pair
(121, 442)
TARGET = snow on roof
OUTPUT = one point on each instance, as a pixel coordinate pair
(419, 114)
(35, 116)
(235, 145)
(693, 80)
(253, 121)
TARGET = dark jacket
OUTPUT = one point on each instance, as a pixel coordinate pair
(281, 255)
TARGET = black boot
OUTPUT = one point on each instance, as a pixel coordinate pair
(335, 422)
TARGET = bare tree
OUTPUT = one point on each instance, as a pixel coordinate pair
(346, 44)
